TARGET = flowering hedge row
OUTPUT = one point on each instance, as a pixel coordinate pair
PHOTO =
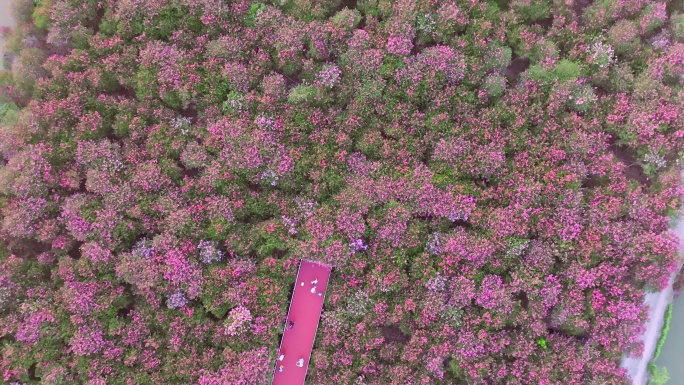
(491, 180)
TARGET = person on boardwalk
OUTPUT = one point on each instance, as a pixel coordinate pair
(282, 357)
(314, 282)
(300, 363)
(280, 368)
(313, 289)
(290, 324)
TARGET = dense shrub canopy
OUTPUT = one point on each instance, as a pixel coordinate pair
(491, 180)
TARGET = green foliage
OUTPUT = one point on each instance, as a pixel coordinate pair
(541, 342)
(126, 232)
(532, 11)
(268, 244)
(89, 211)
(582, 98)
(659, 375)
(302, 122)
(109, 314)
(546, 49)
(391, 64)
(109, 83)
(24, 79)
(498, 57)
(400, 258)
(505, 57)
(455, 368)
(370, 144)
(145, 82)
(297, 181)
(597, 15)
(566, 70)
(538, 72)
(290, 67)
(218, 229)
(677, 27)
(650, 24)
(368, 7)
(254, 10)
(673, 214)
(425, 25)
(624, 37)
(255, 210)
(347, 18)
(602, 55)
(170, 19)
(444, 176)
(41, 15)
(621, 79)
(310, 10)
(234, 104)
(301, 94)
(122, 124)
(371, 90)
(495, 85)
(212, 296)
(331, 183)
(170, 168)
(663, 333)
(7, 110)
(107, 28)
(129, 29)
(5, 80)
(80, 38)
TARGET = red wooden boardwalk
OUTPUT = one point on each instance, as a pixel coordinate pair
(305, 311)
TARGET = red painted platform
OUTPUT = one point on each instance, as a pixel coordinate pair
(305, 311)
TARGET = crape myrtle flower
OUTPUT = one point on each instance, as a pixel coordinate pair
(143, 248)
(176, 300)
(358, 245)
(329, 76)
(209, 252)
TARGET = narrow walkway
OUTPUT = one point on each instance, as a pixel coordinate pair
(657, 303)
(6, 20)
(306, 305)
(637, 367)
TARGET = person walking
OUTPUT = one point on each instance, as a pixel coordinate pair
(313, 289)
(282, 357)
(280, 368)
(314, 282)
(300, 363)
(290, 324)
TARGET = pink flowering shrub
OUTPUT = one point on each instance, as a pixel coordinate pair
(29, 331)
(237, 320)
(492, 186)
(87, 341)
